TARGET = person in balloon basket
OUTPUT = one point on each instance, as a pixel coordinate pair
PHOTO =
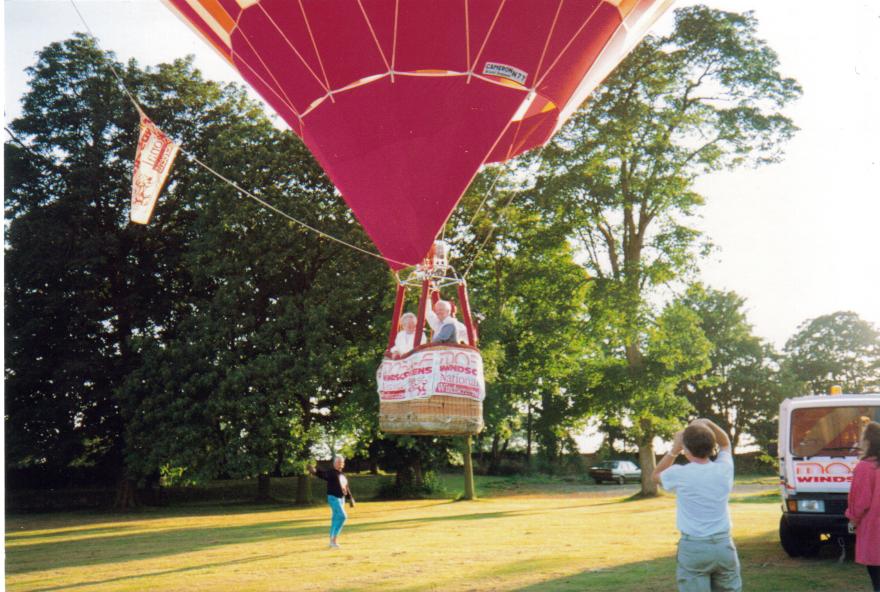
(337, 493)
(406, 337)
(707, 558)
(446, 328)
(863, 509)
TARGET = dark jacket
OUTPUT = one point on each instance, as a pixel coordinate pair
(334, 486)
(446, 334)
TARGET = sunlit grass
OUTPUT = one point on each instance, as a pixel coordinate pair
(517, 541)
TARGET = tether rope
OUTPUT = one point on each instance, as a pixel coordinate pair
(229, 182)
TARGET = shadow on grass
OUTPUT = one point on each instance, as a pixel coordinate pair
(97, 550)
(765, 568)
(153, 574)
(14, 537)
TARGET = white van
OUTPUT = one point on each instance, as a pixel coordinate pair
(818, 450)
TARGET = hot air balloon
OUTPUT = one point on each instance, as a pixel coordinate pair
(402, 101)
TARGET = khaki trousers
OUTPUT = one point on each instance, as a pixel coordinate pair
(708, 564)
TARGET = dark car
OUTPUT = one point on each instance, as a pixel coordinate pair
(618, 471)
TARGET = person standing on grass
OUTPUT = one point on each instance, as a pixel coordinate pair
(337, 489)
(707, 558)
(863, 509)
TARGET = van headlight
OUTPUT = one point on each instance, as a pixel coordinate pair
(810, 505)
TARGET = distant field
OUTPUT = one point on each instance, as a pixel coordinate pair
(532, 534)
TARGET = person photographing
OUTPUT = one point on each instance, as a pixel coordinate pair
(337, 492)
(707, 558)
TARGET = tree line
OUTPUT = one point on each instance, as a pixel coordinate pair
(222, 341)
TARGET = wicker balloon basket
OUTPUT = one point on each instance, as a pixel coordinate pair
(439, 415)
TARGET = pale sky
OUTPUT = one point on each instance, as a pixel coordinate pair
(797, 239)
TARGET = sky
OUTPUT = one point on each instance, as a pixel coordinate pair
(797, 239)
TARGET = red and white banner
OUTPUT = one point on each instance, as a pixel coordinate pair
(155, 155)
(450, 371)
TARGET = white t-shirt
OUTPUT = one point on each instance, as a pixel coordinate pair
(702, 493)
(403, 342)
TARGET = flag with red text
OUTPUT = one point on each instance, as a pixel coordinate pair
(155, 155)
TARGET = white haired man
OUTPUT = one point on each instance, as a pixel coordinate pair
(446, 327)
(406, 337)
(337, 488)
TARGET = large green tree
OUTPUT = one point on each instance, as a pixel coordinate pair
(836, 349)
(530, 294)
(742, 389)
(211, 342)
(283, 328)
(80, 281)
(707, 96)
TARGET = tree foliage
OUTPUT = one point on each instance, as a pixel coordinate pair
(835, 349)
(530, 294)
(80, 282)
(210, 342)
(742, 389)
(620, 174)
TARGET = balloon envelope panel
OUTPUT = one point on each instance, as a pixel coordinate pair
(402, 101)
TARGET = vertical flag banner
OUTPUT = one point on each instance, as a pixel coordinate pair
(155, 155)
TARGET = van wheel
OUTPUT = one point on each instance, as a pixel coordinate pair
(798, 542)
(621, 480)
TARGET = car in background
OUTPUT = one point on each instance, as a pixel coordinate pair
(617, 471)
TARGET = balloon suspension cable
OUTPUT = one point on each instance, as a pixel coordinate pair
(269, 206)
(229, 182)
(486, 196)
(494, 225)
(119, 79)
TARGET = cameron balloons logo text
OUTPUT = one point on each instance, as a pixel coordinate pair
(505, 71)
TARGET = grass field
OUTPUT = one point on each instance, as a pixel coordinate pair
(528, 535)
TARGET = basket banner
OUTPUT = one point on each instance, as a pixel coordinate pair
(155, 155)
(448, 371)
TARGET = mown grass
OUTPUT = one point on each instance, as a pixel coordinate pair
(528, 535)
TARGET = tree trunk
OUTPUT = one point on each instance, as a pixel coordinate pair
(469, 493)
(409, 475)
(126, 495)
(263, 487)
(373, 451)
(648, 462)
(494, 455)
(303, 489)
(418, 476)
(279, 460)
(529, 437)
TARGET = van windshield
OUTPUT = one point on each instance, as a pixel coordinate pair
(829, 431)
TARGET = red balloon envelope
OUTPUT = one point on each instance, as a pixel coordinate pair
(402, 101)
